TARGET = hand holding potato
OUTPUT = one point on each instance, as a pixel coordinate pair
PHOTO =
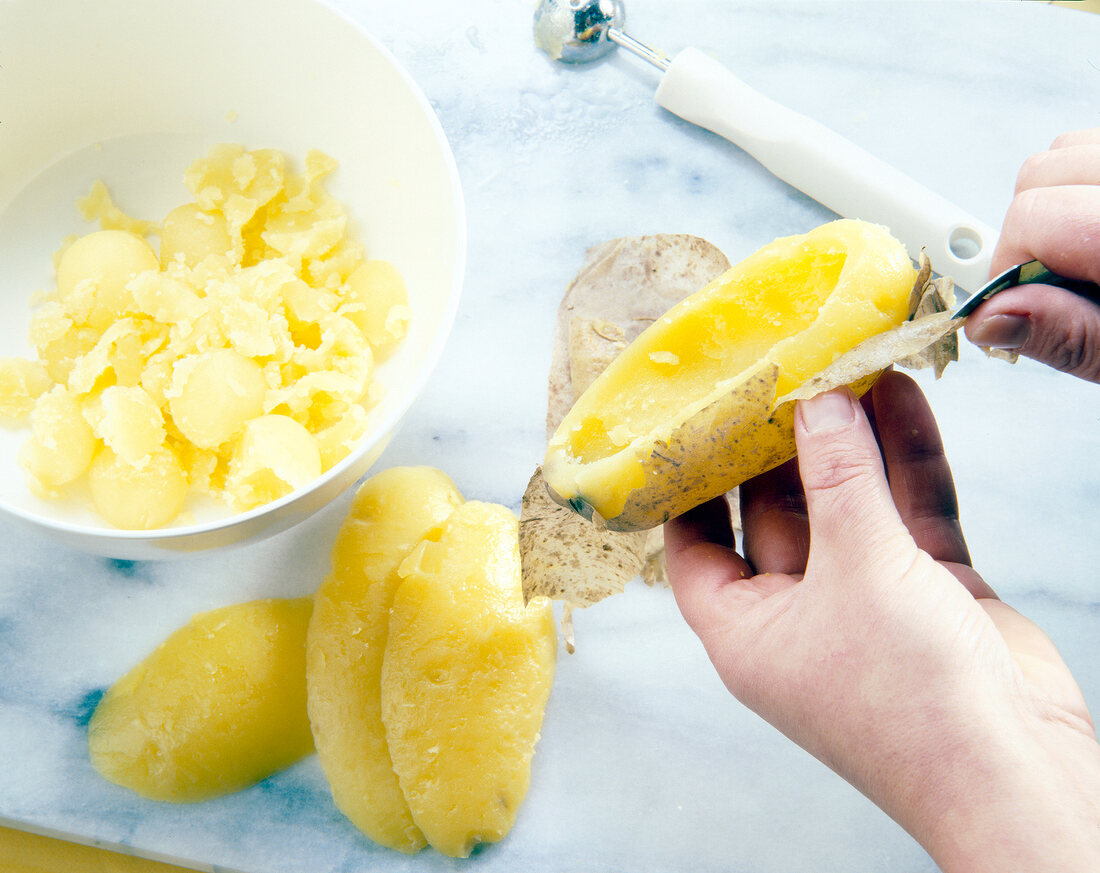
(1054, 217)
(853, 622)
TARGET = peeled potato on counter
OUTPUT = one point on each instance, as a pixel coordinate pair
(218, 706)
(391, 513)
(427, 672)
(465, 679)
(688, 410)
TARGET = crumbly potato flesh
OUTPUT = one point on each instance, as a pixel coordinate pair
(259, 304)
(790, 309)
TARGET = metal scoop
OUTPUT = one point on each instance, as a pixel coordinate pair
(585, 31)
(819, 162)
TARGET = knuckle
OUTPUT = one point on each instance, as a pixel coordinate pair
(836, 465)
(1024, 205)
(1029, 171)
(1073, 348)
(1082, 136)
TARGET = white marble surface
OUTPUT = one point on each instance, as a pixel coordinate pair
(645, 763)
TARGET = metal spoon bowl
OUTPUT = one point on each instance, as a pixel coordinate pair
(580, 31)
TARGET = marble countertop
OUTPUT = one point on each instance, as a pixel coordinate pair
(645, 763)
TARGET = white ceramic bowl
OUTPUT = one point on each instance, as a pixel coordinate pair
(132, 91)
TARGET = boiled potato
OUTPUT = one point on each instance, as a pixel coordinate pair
(391, 513)
(466, 675)
(378, 304)
(128, 421)
(97, 268)
(687, 411)
(137, 496)
(190, 234)
(61, 445)
(275, 455)
(22, 382)
(235, 333)
(219, 705)
(214, 394)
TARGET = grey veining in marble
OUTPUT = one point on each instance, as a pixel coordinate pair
(645, 764)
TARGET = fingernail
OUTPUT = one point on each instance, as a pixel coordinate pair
(1001, 332)
(832, 409)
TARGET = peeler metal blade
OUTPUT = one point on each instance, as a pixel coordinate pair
(1028, 273)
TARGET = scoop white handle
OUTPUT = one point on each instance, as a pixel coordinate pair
(823, 165)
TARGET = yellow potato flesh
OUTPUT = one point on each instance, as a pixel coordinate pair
(62, 443)
(137, 496)
(466, 675)
(791, 308)
(391, 513)
(378, 304)
(97, 267)
(218, 706)
(250, 309)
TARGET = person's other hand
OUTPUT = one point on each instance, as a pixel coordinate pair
(1055, 218)
(854, 623)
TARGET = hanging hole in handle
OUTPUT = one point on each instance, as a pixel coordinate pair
(965, 243)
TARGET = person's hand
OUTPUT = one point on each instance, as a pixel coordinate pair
(853, 622)
(1055, 218)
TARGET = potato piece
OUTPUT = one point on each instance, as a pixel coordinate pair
(138, 496)
(98, 205)
(275, 456)
(306, 307)
(100, 265)
(22, 382)
(116, 357)
(392, 512)
(686, 412)
(61, 444)
(59, 341)
(168, 299)
(128, 420)
(465, 679)
(336, 266)
(214, 394)
(337, 440)
(190, 234)
(305, 235)
(219, 705)
(236, 182)
(378, 304)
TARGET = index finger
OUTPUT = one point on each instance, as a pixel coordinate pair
(917, 468)
(1072, 159)
(1058, 225)
(773, 517)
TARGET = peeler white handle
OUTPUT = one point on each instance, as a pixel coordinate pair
(825, 166)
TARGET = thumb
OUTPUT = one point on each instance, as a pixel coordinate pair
(851, 512)
(1048, 324)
